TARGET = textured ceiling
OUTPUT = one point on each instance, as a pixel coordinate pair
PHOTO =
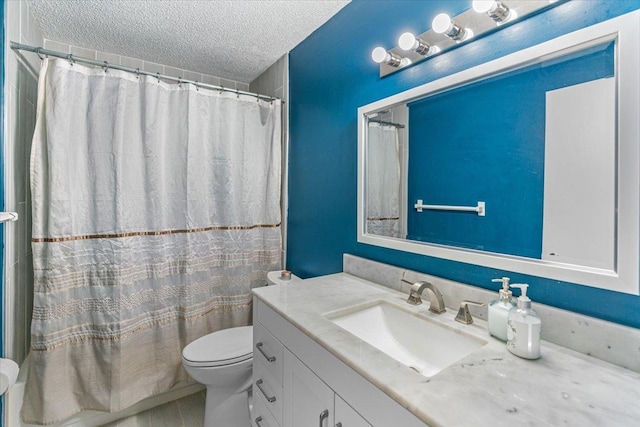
(236, 39)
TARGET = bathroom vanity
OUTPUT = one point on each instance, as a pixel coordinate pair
(298, 382)
(314, 365)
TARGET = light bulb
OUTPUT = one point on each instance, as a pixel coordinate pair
(441, 23)
(379, 55)
(483, 6)
(495, 9)
(407, 41)
(404, 62)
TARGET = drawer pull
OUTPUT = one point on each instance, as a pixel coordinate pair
(258, 421)
(337, 425)
(270, 399)
(266, 356)
(323, 416)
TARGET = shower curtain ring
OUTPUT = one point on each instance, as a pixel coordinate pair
(158, 77)
(106, 66)
(197, 86)
(137, 73)
(179, 81)
(38, 51)
(238, 93)
(70, 59)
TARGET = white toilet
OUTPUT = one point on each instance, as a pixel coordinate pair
(223, 362)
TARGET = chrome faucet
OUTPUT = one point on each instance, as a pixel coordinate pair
(436, 300)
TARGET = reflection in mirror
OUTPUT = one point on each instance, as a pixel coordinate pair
(546, 173)
(537, 145)
(528, 163)
(386, 188)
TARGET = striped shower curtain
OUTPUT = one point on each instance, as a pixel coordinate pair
(156, 209)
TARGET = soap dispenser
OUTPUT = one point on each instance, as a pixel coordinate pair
(523, 327)
(499, 310)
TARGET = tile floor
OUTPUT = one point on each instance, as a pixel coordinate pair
(185, 412)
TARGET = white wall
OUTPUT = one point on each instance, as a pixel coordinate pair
(20, 105)
(579, 221)
(143, 65)
(275, 82)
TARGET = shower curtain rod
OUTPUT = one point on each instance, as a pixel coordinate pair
(382, 122)
(104, 64)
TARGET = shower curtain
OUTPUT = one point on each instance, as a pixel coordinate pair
(156, 209)
(383, 181)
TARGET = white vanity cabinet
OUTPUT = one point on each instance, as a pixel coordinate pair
(307, 400)
(261, 416)
(346, 416)
(268, 362)
(298, 383)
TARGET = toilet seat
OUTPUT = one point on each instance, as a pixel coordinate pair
(221, 348)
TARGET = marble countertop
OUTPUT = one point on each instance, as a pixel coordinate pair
(490, 386)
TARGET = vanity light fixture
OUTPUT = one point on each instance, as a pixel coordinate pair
(442, 24)
(458, 30)
(494, 9)
(408, 41)
(380, 55)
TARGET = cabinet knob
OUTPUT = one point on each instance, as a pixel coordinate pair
(337, 425)
(258, 421)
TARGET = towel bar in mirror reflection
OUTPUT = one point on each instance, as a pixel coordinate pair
(479, 208)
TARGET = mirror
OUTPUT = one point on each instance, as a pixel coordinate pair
(522, 163)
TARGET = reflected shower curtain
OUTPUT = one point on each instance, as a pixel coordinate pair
(383, 181)
(156, 209)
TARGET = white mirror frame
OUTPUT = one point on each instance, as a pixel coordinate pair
(625, 30)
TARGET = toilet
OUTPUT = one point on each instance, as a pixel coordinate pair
(223, 361)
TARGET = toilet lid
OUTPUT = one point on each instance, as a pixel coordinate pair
(220, 348)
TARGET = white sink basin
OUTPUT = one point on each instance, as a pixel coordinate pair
(422, 344)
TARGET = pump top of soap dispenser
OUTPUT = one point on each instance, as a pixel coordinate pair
(523, 300)
(505, 293)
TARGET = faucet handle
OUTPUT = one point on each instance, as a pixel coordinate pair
(463, 315)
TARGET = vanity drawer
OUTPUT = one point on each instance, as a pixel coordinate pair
(268, 389)
(261, 416)
(267, 349)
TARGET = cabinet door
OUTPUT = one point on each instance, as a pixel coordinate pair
(346, 416)
(308, 402)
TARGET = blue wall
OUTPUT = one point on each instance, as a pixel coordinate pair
(331, 75)
(467, 145)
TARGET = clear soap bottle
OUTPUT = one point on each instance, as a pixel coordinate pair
(523, 328)
(499, 310)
